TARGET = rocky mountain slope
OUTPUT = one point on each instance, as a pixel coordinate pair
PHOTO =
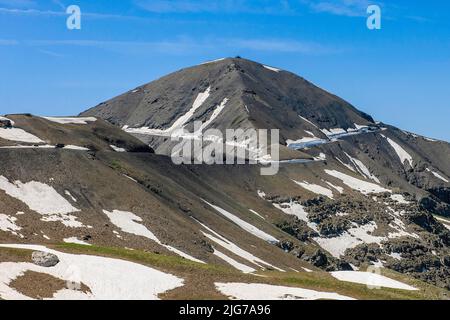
(366, 195)
(263, 97)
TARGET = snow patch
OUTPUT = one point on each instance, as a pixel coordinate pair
(309, 121)
(183, 254)
(8, 224)
(272, 68)
(401, 153)
(306, 120)
(179, 123)
(399, 199)
(346, 165)
(46, 146)
(305, 142)
(71, 120)
(75, 240)
(314, 188)
(261, 194)
(294, 208)
(363, 170)
(107, 279)
(17, 134)
(244, 225)
(445, 222)
(213, 117)
(259, 291)
(351, 238)
(43, 199)
(230, 246)
(356, 184)
(396, 255)
(370, 279)
(212, 61)
(437, 175)
(132, 179)
(253, 211)
(67, 192)
(337, 188)
(130, 223)
(72, 147)
(239, 266)
(117, 149)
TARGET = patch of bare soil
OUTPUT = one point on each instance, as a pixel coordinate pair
(14, 255)
(41, 286)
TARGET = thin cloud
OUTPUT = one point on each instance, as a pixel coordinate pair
(274, 45)
(5, 42)
(51, 53)
(32, 12)
(18, 3)
(419, 19)
(216, 6)
(183, 45)
(348, 8)
(59, 4)
(52, 13)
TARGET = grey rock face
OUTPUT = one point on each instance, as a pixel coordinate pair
(5, 123)
(44, 259)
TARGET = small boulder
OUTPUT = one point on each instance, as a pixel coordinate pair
(44, 259)
(319, 259)
(5, 123)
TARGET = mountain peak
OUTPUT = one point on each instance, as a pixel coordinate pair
(240, 63)
(258, 96)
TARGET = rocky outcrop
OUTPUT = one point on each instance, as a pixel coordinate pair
(5, 123)
(44, 259)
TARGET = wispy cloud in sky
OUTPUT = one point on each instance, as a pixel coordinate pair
(18, 3)
(51, 53)
(52, 13)
(31, 12)
(59, 4)
(184, 45)
(349, 8)
(215, 6)
(5, 42)
(352, 8)
(275, 45)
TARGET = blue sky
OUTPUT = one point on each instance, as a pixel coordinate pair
(399, 74)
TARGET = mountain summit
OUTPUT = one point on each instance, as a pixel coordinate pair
(247, 94)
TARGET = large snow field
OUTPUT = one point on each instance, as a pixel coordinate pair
(105, 277)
